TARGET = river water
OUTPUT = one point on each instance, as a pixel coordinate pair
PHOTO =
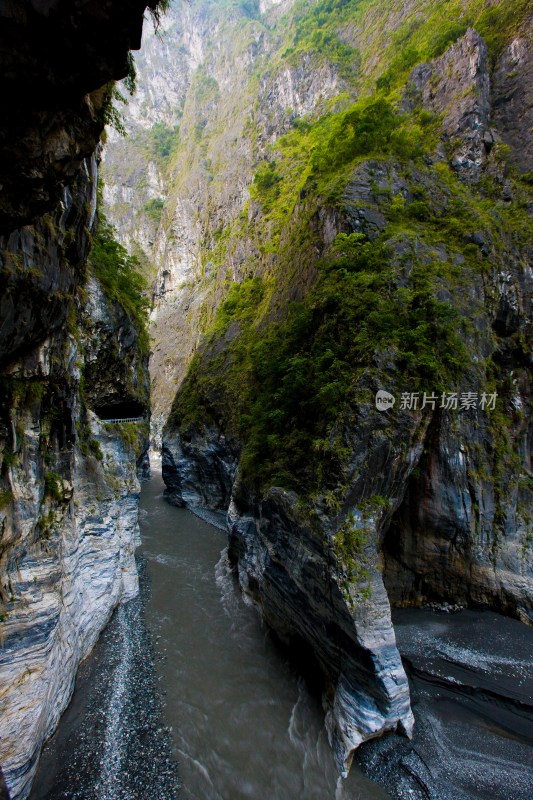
(235, 720)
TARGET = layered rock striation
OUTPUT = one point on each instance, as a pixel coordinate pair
(69, 505)
(68, 481)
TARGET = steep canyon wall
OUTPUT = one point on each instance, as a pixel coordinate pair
(68, 481)
(337, 202)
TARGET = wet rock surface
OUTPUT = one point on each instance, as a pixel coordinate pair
(285, 568)
(112, 743)
(471, 681)
(199, 470)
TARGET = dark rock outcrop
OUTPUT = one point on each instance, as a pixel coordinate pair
(512, 97)
(457, 85)
(112, 376)
(42, 266)
(287, 565)
(461, 534)
(200, 470)
(4, 794)
(56, 58)
(68, 484)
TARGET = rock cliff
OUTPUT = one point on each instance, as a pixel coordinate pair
(375, 238)
(57, 59)
(183, 174)
(69, 352)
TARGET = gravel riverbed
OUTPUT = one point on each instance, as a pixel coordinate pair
(471, 676)
(112, 743)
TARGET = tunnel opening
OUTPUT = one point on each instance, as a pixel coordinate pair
(126, 409)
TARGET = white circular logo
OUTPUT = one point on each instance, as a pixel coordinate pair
(384, 400)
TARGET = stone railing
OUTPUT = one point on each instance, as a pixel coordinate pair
(124, 419)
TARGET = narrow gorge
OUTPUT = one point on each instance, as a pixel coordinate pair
(290, 256)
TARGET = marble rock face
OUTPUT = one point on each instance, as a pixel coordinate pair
(63, 587)
(68, 518)
(287, 567)
(68, 483)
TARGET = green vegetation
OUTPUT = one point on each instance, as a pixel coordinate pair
(318, 157)
(9, 459)
(22, 393)
(288, 377)
(371, 126)
(204, 93)
(46, 523)
(438, 25)
(53, 486)
(111, 114)
(292, 380)
(240, 304)
(287, 384)
(153, 209)
(352, 547)
(283, 387)
(95, 449)
(316, 32)
(497, 23)
(349, 546)
(266, 178)
(132, 434)
(6, 498)
(205, 87)
(307, 367)
(88, 445)
(425, 32)
(164, 140)
(118, 274)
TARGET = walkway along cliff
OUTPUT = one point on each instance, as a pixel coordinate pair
(70, 350)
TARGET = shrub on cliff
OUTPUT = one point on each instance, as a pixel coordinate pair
(119, 276)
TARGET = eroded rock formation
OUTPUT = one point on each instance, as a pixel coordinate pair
(68, 482)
